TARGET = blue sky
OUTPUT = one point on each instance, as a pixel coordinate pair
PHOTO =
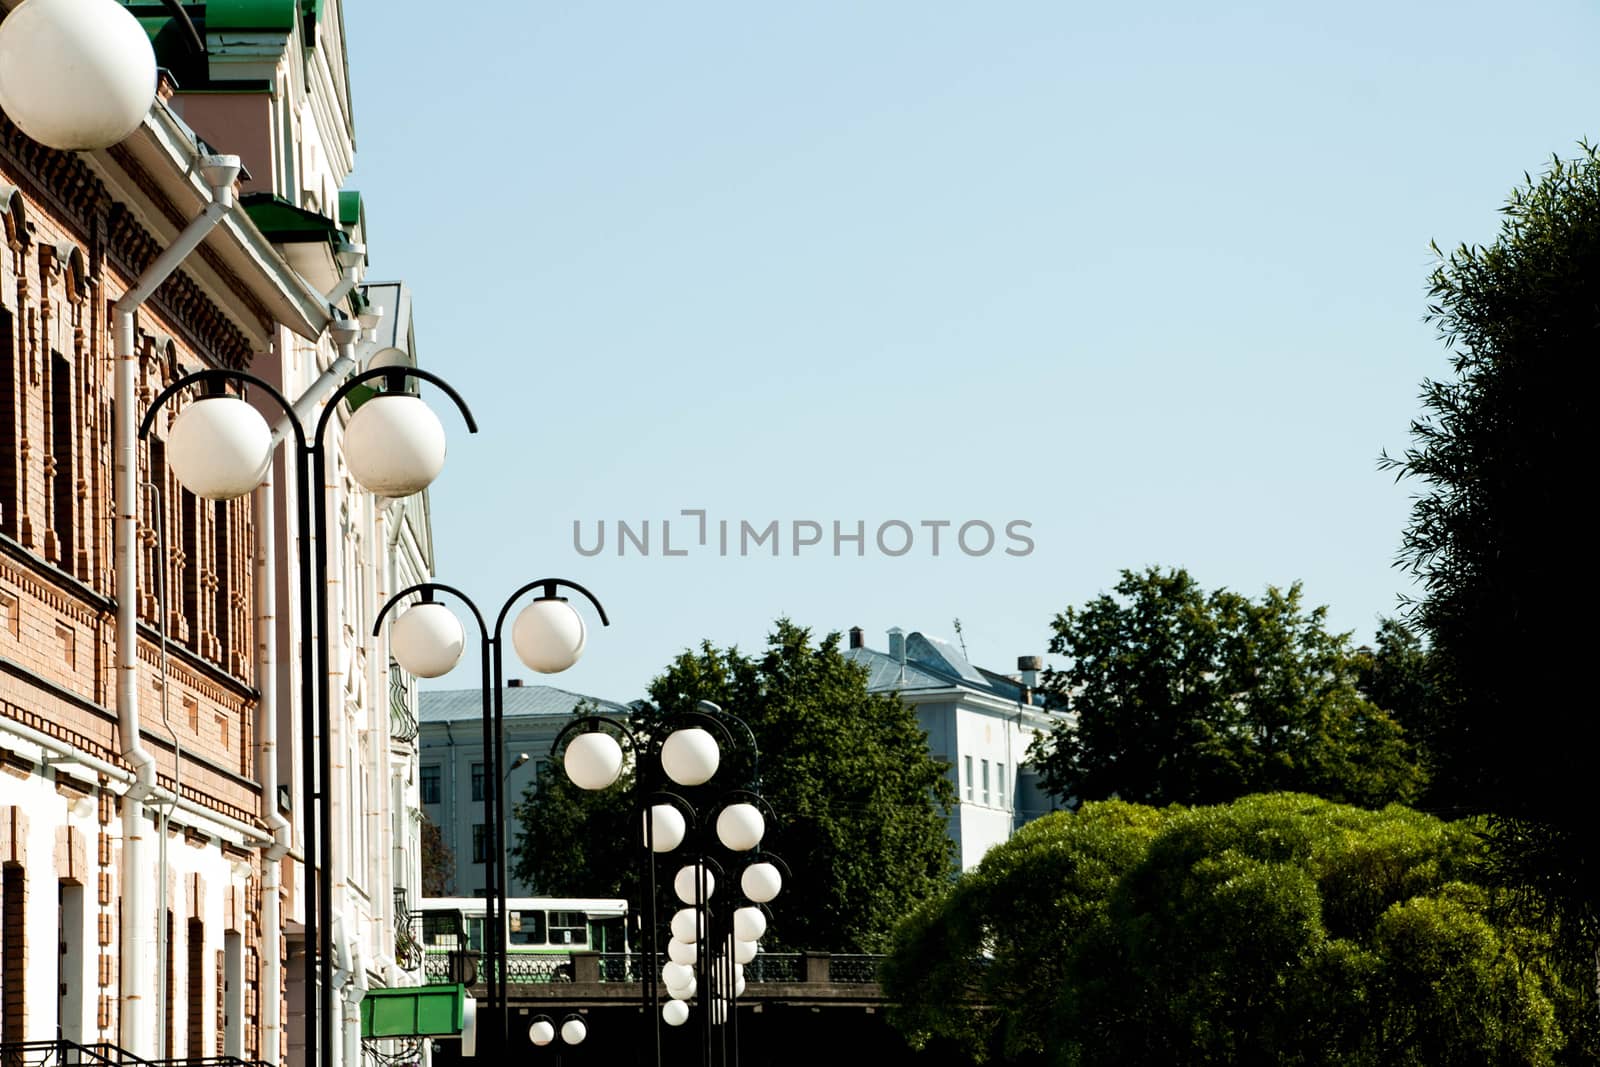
(1150, 278)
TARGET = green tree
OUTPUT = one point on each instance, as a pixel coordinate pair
(1496, 532)
(1278, 929)
(438, 861)
(861, 805)
(1177, 695)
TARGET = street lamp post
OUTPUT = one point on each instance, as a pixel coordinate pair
(681, 801)
(219, 448)
(548, 636)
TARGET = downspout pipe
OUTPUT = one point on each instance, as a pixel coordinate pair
(273, 1044)
(266, 596)
(219, 173)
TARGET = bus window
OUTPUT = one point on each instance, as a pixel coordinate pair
(525, 927)
(475, 933)
(569, 928)
(441, 929)
(608, 935)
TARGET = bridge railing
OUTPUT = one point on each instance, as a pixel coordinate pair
(768, 968)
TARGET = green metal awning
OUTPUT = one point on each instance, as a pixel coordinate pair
(416, 1011)
(283, 223)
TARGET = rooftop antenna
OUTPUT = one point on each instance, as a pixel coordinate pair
(961, 640)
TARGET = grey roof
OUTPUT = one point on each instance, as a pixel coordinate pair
(932, 663)
(454, 705)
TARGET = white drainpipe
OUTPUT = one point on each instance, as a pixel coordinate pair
(267, 765)
(137, 929)
(272, 1045)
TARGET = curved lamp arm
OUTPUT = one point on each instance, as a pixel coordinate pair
(214, 380)
(394, 382)
(427, 589)
(550, 585)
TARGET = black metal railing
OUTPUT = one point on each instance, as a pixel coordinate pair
(853, 970)
(776, 967)
(70, 1053)
(64, 1053)
(392, 1051)
(408, 951)
(402, 724)
(620, 966)
(471, 968)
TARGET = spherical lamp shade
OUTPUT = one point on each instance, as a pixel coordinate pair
(676, 975)
(219, 446)
(686, 925)
(664, 828)
(684, 992)
(683, 952)
(542, 1032)
(394, 445)
(740, 827)
(683, 884)
(761, 882)
(573, 1031)
(593, 760)
(674, 1013)
(690, 756)
(548, 635)
(744, 951)
(749, 924)
(75, 74)
(738, 985)
(427, 640)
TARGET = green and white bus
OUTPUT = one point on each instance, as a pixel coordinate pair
(541, 933)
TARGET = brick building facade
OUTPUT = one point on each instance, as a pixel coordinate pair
(212, 965)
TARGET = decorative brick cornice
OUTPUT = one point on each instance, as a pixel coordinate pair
(69, 189)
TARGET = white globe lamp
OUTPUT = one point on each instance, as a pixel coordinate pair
(675, 1013)
(573, 1031)
(690, 756)
(75, 74)
(593, 760)
(427, 640)
(664, 828)
(744, 951)
(749, 924)
(542, 1032)
(676, 975)
(761, 882)
(740, 827)
(394, 445)
(684, 992)
(683, 884)
(683, 952)
(686, 926)
(219, 446)
(548, 635)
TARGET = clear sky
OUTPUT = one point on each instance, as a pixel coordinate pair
(1149, 277)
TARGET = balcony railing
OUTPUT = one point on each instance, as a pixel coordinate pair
(407, 944)
(402, 724)
(63, 1053)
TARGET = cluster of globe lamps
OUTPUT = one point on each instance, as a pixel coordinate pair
(690, 757)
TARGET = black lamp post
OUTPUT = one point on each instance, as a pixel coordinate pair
(687, 796)
(548, 636)
(223, 451)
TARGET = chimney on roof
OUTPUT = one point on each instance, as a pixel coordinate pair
(513, 683)
(858, 639)
(897, 644)
(1028, 667)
